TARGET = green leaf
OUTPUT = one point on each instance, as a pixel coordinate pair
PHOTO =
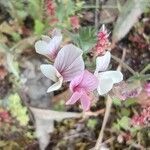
(125, 112)
(16, 36)
(35, 9)
(116, 126)
(134, 130)
(124, 123)
(13, 65)
(116, 101)
(91, 123)
(85, 39)
(39, 27)
(130, 102)
(64, 12)
(17, 110)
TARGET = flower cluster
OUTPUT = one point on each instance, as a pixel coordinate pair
(143, 118)
(50, 7)
(69, 66)
(74, 21)
(102, 41)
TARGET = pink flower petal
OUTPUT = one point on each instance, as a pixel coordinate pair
(69, 62)
(89, 81)
(85, 80)
(76, 81)
(74, 98)
(85, 102)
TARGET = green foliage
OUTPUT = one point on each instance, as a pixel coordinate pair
(9, 145)
(64, 12)
(39, 27)
(91, 123)
(16, 9)
(125, 112)
(13, 65)
(85, 39)
(116, 102)
(124, 123)
(35, 9)
(17, 109)
(79, 5)
(130, 102)
(16, 36)
(134, 130)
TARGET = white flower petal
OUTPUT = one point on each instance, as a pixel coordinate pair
(41, 47)
(116, 76)
(50, 72)
(55, 86)
(46, 38)
(105, 85)
(47, 46)
(102, 62)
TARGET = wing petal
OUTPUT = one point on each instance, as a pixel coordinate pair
(105, 84)
(50, 72)
(55, 86)
(116, 76)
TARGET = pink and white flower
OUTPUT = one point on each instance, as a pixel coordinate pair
(106, 78)
(49, 47)
(81, 87)
(68, 64)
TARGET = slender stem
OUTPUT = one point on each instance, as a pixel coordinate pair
(93, 7)
(124, 64)
(106, 116)
(122, 59)
(145, 69)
